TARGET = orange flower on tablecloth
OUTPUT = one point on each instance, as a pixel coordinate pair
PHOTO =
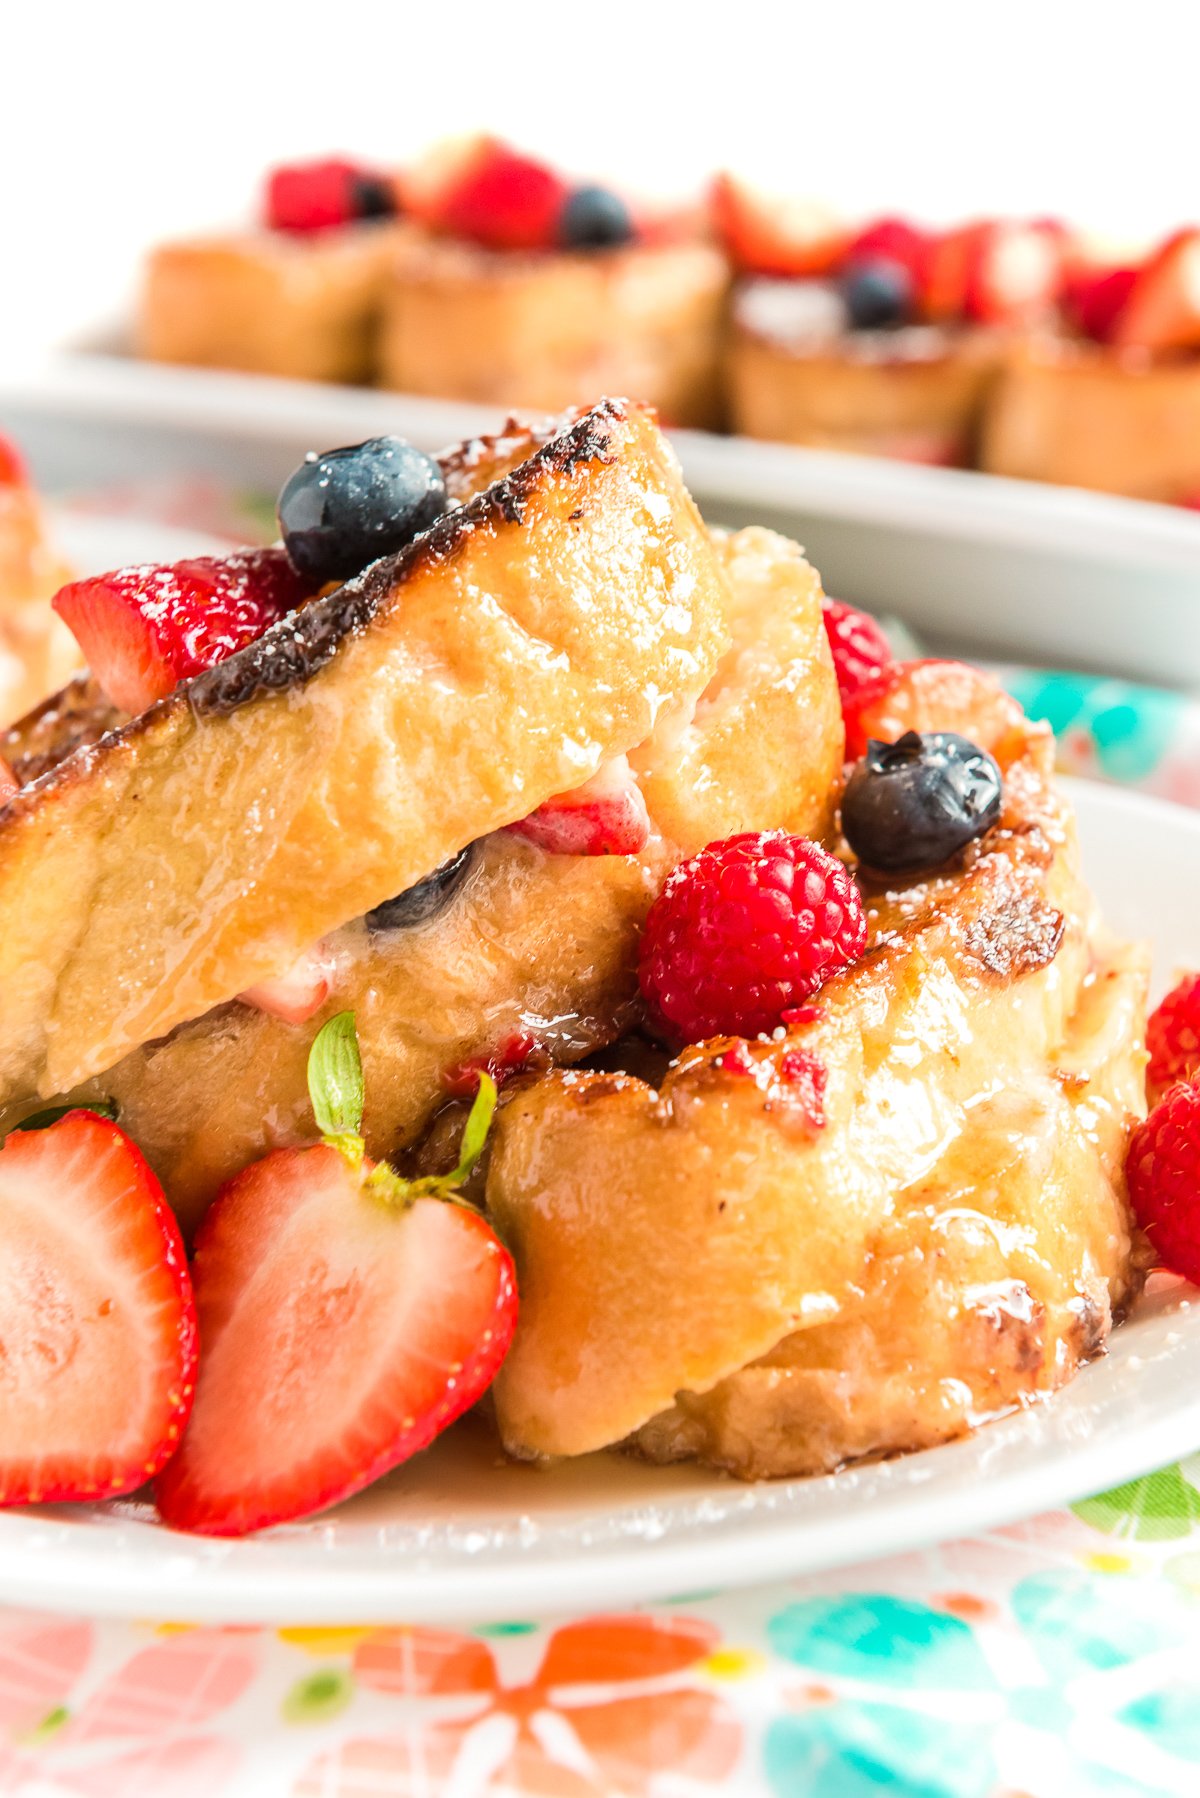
(605, 1711)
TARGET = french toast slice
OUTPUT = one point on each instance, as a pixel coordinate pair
(531, 953)
(307, 306)
(532, 633)
(1085, 415)
(917, 394)
(546, 329)
(718, 1268)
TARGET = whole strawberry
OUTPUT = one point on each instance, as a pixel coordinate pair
(1163, 1171)
(1173, 1037)
(745, 930)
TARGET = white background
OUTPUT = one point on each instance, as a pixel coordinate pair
(125, 121)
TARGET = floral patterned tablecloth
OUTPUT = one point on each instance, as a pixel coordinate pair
(1058, 1658)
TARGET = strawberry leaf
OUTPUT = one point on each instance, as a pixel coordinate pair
(335, 1084)
(42, 1120)
(474, 1136)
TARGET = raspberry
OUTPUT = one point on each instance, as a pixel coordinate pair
(1163, 1171)
(1173, 1036)
(314, 196)
(746, 929)
(861, 653)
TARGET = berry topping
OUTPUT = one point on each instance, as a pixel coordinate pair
(935, 695)
(340, 511)
(878, 293)
(12, 465)
(96, 1315)
(142, 630)
(891, 240)
(996, 272)
(1163, 1170)
(764, 235)
(913, 804)
(595, 218)
(313, 196)
(1173, 1036)
(489, 194)
(498, 1063)
(428, 899)
(1095, 300)
(746, 929)
(1162, 311)
(348, 1316)
(298, 993)
(861, 654)
(605, 816)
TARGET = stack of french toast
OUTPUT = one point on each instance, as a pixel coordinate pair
(510, 938)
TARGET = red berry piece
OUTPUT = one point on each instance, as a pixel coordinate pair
(341, 1335)
(1163, 1171)
(1173, 1036)
(764, 234)
(748, 928)
(12, 464)
(493, 196)
(605, 816)
(1095, 300)
(861, 653)
(96, 1317)
(315, 196)
(1162, 311)
(934, 695)
(142, 630)
(892, 240)
(501, 1063)
(296, 994)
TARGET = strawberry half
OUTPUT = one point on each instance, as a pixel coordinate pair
(1096, 298)
(482, 190)
(994, 272)
(1162, 311)
(341, 1335)
(605, 816)
(932, 694)
(764, 235)
(97, 1325)
(142, 630)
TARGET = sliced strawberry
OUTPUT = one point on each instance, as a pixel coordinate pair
(341, 1334)
(1162, 311)
(507, 1058)
(482, 190)
(605, 816)
(142, 630)
(764, 235)
(297, 993)
(993, 272)
(935, 695)
(314, 196)
(97, 1325)
(1096, 298)
(12, 464)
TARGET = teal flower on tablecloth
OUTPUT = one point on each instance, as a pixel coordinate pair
(1128, 729)
(890, 1641)
(853, 1750)
(1069, 1619)
(1161, 1507)
(1170, 1718)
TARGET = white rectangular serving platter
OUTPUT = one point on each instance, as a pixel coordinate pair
(1001, 568)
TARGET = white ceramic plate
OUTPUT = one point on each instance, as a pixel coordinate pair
(459, 1534)
(995, 567)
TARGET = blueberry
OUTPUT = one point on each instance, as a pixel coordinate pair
(913, 804)
(342, 510)
(424, 902)
(878, 294)
(374, 197)
(595, 218)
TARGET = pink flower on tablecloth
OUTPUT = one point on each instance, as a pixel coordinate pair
(146, 1712)
(563, 1734)
(41, 1658)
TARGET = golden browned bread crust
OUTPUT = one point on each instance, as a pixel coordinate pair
(532, 946)
(708, 1270)
(527, 637)
(917, 394)
(549, 330)
(1084, 416)
(270, 302)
